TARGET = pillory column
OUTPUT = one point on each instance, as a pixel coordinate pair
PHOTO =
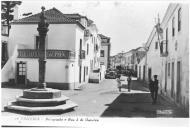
(42, 29)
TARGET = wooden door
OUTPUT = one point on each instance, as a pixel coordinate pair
(21, 73)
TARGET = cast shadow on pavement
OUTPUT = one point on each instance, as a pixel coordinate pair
(132, 104)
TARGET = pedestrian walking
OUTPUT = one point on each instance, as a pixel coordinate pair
(119, 82)
(155, 89)
(151, 88)
(129, 82)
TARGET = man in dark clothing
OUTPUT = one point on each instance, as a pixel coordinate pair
(155, 90)
(151, 88)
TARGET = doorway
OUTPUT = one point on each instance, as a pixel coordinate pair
(140, 72)
(80, 74)
(21, 73)
(178, 81)
(149, 73)
(172, 80)
(165, 88)
(143, 72)
(84, 75)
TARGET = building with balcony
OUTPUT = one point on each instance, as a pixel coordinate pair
(168, 55)
(112, 62)
(105, 51)
(175, 54)
(67, 65)
(128, 59)
(138, 55)
(93, 47)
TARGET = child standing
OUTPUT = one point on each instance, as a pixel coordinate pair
(129, 82)
(119, 83)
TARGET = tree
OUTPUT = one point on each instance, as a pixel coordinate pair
(7, 10)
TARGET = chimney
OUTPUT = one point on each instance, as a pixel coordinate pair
(15, 13)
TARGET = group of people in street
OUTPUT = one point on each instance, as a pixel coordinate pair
(153, 86)
(128, 83)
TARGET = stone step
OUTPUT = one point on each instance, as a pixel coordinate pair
(21, 101)
(47, 93)
(68, 106)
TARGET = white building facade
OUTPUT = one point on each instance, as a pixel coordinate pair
(105, 51)
(175, 66)
(169, 57)
(67, 64)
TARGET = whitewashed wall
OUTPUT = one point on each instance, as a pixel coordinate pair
(181, 54)
(154, 61)
(60, 36)
(57, 70)
(140, 69)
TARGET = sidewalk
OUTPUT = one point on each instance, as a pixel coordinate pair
(138, 103)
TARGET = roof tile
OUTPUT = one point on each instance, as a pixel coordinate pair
(53, 16)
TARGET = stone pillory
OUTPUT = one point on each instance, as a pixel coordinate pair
(42, 29)
(41, 99)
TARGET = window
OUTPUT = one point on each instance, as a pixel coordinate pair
(168, 69)
(179, 19)
(166, 39)
(87, 48)
(101, 63)
(156, 45)
(173, 26)
(92, 39)
(96, 47)
(105, 40)
(4, 53)
(102, 53)
(166, 34)
(176, 46)
(4, 30)
(86, 70)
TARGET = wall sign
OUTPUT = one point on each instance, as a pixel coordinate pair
(50, 54)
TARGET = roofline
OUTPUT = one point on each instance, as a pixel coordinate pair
(21, 23)
(150, 37)
(36, 22)
(105, 44)
(105, 37)
(152, 34)
(76, 14)
(168, 9)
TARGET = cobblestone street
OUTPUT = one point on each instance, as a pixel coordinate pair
(104, 100)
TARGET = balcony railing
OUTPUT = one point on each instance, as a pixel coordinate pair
(164, 48)
(82, 54)
(50, 54)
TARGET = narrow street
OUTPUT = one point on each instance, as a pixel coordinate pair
(104, 100)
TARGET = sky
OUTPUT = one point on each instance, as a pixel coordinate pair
(127, 23)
